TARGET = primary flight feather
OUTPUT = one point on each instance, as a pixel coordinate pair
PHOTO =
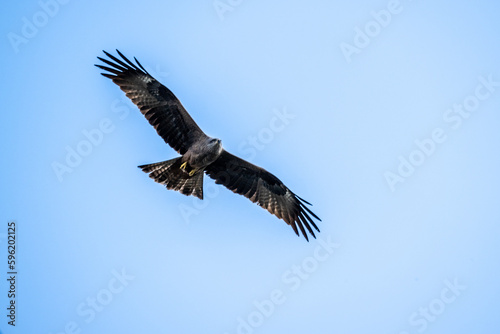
(200, 153)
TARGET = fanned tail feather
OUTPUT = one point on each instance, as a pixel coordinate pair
(173, 177)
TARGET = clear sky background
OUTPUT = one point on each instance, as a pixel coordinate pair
(390, 130)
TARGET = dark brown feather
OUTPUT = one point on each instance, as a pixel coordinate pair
(265, 189)
(156, 102)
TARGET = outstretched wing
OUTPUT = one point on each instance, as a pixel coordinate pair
(155, 101)
(263, 188)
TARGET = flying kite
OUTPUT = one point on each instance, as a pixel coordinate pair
(200, 153)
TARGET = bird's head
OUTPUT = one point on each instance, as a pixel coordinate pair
(215, 143)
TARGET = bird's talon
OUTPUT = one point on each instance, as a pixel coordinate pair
(191, 173)
(183, 166)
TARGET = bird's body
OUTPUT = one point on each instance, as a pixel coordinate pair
(200, 153)
(203, 153)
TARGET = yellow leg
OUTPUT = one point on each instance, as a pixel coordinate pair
(183, 166)
(191, 173)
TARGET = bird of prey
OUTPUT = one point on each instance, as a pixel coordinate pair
(200, 153)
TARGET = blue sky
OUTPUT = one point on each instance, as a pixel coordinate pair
(390, 130)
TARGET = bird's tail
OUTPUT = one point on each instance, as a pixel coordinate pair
(171, 175)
